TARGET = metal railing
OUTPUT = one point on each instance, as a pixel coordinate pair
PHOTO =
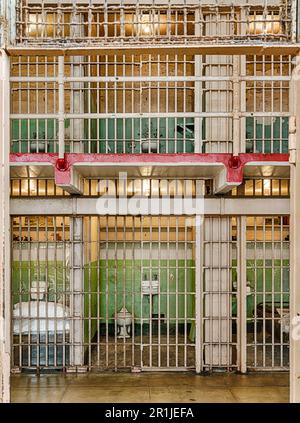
(122, 22)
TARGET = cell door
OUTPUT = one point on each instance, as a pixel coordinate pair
(268, 293)
(42, 295)
(139, 292)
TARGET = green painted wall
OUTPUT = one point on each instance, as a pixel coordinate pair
(120, 284)
(273, 275)
(274, 278)
(114, 131)
(35, 129)
(268, 138)
(55, 272)
(122, 135)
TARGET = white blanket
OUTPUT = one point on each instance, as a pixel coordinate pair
(40, 316)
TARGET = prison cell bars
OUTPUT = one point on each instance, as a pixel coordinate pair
(144, 112)
(141, 351)
(41, 326)
(267, 345)
(171, 22)
(45, 187)
(148, 353)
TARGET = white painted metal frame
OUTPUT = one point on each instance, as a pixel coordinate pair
(295, 239)
(212, 206)
(220, 292)
(242, 297)
(5, 317)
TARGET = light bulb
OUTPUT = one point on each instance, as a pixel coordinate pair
(146, 29)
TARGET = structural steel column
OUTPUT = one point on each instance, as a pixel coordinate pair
(77, 132)
(198, 93)
(218, 94)
(199, 221)
(77, 284)
(218, 283)
(217, 327)
(61, 106)
(242, 293)
(294, 145)
(4, 231)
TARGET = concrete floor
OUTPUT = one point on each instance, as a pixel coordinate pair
(154, 387)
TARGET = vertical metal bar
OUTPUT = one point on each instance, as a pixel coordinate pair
(87, 297)
(270, 267)
(46, 299)
(199, 268)
(242, 293)
(29, 315)
(294, 20)
(5, 223)
(78, 289)
(159, 289)
(65, 287)
(61, 107)
(116, 277)
(141, 292)
(256, 321)
(199, 293)
(281, 290)
(124, 268)
(264, 293)
(236, 105)
(198, 89)
(294, 236)
(168, 292)
(134, 285)
(176, 289)
(151, 294)
(107, 290)
(243, 86)
(186, 291)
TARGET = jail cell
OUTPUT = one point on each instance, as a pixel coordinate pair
(131, 104)
(256, 187)
(267, 103)
(35, 187)
(151, 104)
(34, 104)
(111, 104)
(220, 294)
(139, 292)
(111, 22)
(268, 310)
(41, 292)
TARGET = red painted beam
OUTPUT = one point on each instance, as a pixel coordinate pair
(63, 167)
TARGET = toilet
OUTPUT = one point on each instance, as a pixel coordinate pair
(124, 321)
